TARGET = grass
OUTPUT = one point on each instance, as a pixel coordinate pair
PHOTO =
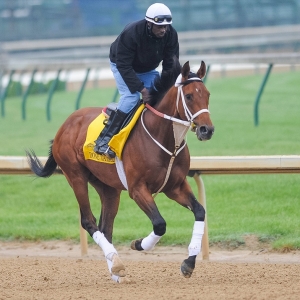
(265, 205)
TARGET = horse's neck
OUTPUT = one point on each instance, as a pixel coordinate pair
(160, 128)
(168, 104)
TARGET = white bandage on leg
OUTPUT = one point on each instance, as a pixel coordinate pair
(150, 241)
(195, 244)
(107, 248)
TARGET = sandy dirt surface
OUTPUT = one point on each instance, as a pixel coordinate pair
(56, 270)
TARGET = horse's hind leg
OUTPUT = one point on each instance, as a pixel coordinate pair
(110, 199)
(185, 197)
(79, 185)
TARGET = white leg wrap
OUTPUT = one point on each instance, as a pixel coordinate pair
(150, 241)
(195, 244)
(107, 248)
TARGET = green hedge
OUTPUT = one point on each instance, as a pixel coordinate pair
(16, 89)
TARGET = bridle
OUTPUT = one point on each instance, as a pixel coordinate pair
(180, 127)
(190, 117)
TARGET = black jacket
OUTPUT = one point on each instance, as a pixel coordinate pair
(136, 50)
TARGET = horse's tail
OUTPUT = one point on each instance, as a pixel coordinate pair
(37, 167)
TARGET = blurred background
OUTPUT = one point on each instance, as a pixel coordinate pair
(48, 41)
(205, 26)
(40, 19)
(54, 59)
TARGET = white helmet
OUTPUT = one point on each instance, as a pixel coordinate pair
(159, 14)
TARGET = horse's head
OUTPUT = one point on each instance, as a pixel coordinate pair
(193, 100)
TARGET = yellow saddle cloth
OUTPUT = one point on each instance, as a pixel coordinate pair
(116, 143)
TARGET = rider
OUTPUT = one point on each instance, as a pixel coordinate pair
(134, 57)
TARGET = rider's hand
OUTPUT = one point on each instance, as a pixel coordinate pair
(145, 95)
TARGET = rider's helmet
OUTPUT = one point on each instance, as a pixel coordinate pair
(159, 14)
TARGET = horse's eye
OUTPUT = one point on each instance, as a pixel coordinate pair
(189, 97)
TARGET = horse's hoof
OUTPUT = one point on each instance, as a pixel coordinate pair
(136, 245)
(117, 268)
(186, 270)
(124, 280)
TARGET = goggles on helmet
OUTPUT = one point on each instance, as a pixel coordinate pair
(161, 19)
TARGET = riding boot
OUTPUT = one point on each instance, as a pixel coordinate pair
(111, 128)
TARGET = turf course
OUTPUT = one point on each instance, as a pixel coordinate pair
(237, 205)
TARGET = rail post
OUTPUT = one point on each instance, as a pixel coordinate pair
(4, 94)
(207, 72)
(51, 92)
(24, 100)
(260, 93)
(82, 89)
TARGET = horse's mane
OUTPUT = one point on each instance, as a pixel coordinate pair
(164, 82)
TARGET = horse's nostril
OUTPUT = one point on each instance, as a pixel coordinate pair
(203, 129)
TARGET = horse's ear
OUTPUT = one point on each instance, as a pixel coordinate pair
(202, 70)
(185, 71)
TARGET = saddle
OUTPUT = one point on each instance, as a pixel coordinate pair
(118, 141)
(113, 106)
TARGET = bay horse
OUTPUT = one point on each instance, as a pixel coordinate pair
(155, 159)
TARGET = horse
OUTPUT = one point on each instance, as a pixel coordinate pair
(155, 160)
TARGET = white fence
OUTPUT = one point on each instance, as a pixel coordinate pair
(200, 165)
(286, 38)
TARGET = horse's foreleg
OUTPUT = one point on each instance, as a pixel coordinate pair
(188, 265)
(146, 203)
(185, 197)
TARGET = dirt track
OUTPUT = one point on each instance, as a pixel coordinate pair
(55, 270)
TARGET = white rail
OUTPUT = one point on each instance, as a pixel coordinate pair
(201, 41)
(208, 165)
(289, 58)
(201, 164)
(92, 52)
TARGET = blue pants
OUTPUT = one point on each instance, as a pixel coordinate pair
(128, 100)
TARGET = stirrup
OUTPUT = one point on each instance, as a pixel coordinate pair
(101, 149)
(109, 153)
(97, 149)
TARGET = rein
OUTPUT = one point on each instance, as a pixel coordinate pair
(180, 127)
(186, 123)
